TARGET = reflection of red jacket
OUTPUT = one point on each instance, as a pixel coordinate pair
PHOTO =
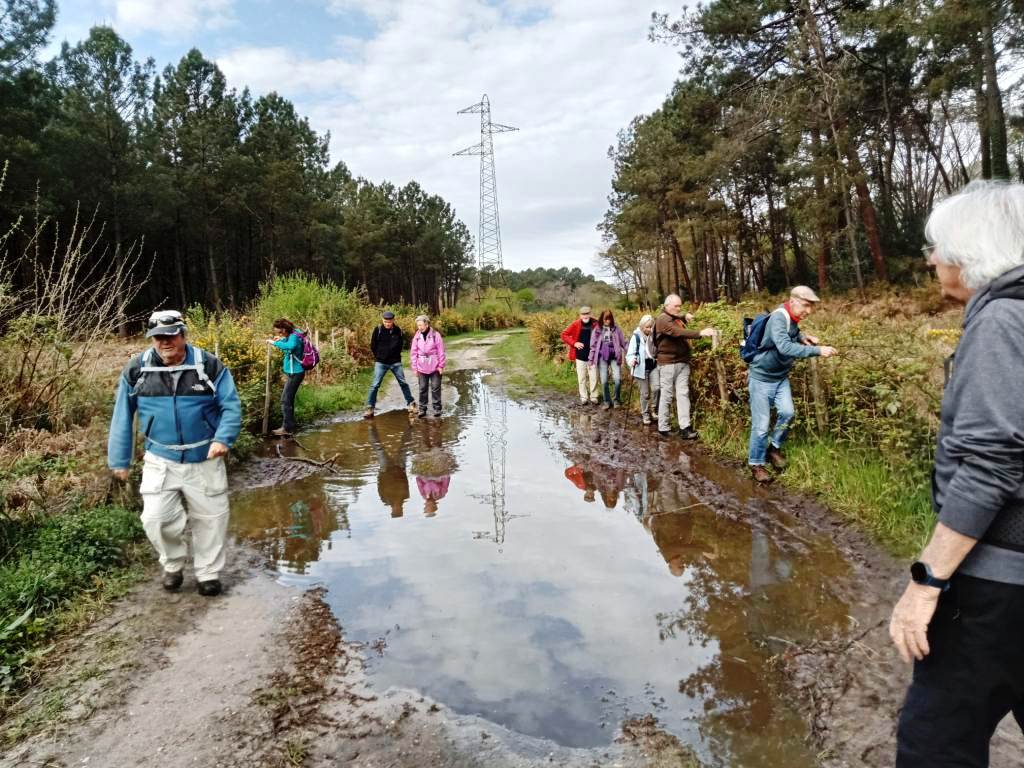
(575, 476)
(433, 487)
(572, 334)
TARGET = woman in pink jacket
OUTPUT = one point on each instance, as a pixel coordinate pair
(428, 360)
(432, 489)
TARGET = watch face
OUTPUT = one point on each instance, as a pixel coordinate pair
(919, 572)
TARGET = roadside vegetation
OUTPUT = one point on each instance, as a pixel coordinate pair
(866, 421)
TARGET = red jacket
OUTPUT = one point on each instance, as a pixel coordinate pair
(572, 334)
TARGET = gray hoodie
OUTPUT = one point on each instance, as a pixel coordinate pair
(978, 482)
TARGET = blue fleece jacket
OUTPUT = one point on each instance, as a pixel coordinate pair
(782, 348)
(194, 411)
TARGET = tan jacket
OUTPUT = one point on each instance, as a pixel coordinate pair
(671, 334)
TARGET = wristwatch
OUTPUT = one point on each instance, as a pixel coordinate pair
(921, 573)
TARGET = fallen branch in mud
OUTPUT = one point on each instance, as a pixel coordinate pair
(322, 464)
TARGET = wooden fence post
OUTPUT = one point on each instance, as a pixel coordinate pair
(266, 397)
(820, 411)
(723, 389)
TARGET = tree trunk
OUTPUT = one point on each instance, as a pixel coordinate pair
(824, 234)
(867, 215)
(981, 114)
(994, 103)
(677, 253)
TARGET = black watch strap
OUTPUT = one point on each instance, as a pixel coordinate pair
(921, 573)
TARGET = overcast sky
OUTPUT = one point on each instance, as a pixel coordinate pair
(386, 78)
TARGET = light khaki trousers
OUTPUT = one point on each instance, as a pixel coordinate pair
(175, 494)
(584, 375)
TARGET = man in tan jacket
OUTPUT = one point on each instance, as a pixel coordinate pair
(671, 340)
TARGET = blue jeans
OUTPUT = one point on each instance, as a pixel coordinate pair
(764, 395)
(379, 372)
(603, 367)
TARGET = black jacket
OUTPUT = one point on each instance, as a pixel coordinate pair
(387, 345)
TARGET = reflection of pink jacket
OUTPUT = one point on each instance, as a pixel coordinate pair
(433, 487)
(427, 355)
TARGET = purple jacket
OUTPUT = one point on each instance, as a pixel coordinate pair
(597, 342)
(427, 355)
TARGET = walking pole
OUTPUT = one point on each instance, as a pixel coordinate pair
(266, 398)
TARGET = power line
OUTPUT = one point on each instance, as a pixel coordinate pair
(489, 258)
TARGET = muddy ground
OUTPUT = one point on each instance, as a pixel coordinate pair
(263, 676)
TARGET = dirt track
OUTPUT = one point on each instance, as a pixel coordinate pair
(263, 676)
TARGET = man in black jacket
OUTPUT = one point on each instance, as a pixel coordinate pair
(387, 343)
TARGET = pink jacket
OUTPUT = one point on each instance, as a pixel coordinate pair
(427, 355)
(433, 487)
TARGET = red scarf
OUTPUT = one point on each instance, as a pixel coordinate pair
(789, 312)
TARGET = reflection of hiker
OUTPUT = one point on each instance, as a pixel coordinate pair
(961, 615)
(671, 339)
(641, 358)
(782, 344)
(577, 336)
(392, 480)
(387, 343)
(607, 347)
(190, 414)
(609, 481)
(583, 479)
(289, 342)
(428, 361)
(432, 489)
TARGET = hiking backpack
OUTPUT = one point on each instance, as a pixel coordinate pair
(310, 354)
(753, 334)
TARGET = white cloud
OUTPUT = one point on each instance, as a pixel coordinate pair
(569, 77)
(171, 18)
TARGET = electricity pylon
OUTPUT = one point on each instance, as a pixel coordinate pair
(488, 246)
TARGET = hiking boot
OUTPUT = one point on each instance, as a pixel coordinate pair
(760, 474)
(664, 434)
(605, 406)
(689, 433)
(172, 580)
(647, 421)
(616, 404)
(368, 413)
(421, 414)
(280, 432)
(209, 588)
(776, 457)
(412, 407)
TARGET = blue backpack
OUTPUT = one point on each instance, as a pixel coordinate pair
(753, 334)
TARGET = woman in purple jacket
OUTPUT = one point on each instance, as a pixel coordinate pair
(607, 346)
(428, 359)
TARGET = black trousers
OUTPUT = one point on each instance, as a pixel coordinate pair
(972, 678)
(291, 387)
(430, 383)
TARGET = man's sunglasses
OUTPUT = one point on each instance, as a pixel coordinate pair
(168, 319)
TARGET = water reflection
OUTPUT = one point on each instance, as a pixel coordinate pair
(392, 481)
(661, 604)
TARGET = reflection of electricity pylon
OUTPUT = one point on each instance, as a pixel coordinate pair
(488, 246)
(496, 426)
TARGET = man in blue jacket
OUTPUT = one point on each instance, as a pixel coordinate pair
(782, 345)
(189, 414)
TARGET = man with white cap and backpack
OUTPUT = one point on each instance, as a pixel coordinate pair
(189, 415)
(774, 344)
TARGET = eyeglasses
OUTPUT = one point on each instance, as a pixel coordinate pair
(170, 318)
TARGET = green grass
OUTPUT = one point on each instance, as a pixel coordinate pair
(526, 371)
(892, 503)
(315, 401)
(55, 575)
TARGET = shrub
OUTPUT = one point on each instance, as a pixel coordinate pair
(52, 561)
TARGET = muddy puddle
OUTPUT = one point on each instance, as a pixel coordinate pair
(505, 562)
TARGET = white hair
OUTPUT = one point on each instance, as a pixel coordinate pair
(423, 318)
(672, 296)
(980, 230)
(645, 320)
